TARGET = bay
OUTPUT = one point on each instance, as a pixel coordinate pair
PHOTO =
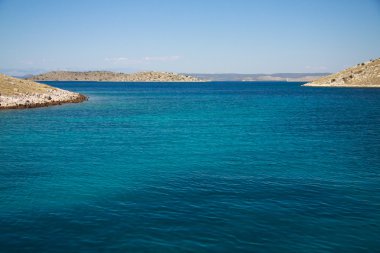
(193, 167)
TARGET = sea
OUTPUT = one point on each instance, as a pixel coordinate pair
(193, 167)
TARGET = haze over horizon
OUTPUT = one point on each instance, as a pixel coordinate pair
(206, 36)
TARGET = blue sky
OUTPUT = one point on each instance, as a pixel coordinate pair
(204, 36)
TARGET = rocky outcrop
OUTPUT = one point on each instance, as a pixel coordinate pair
(366, 74)
(107, 76)
(16, 93)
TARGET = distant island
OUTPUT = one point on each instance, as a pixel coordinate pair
(366, 74)
(17, 93)
(108, 76)
(281, 77)
(151, 76)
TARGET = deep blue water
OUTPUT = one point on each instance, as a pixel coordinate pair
(193, 167)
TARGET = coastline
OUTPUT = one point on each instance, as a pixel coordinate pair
(20, 104)
(362, 75)
(21, 94)
(341, 86)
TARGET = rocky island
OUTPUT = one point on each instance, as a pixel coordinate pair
(366, 74)
(108, 76)
(17, 93)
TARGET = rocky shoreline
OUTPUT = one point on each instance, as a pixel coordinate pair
(363, 75)
(20, 94)
(36, 100)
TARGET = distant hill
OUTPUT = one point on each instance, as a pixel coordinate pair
(104, 76)
(366, 74)
(107, 76)
(291, 77)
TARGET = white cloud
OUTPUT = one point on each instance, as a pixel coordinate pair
(316, 68)
(116, 59)
(161, 58)
(27, 62)
(139, 61)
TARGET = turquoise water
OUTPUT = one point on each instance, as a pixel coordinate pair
(193, 167)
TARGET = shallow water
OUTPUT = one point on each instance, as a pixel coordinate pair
(193, 167)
